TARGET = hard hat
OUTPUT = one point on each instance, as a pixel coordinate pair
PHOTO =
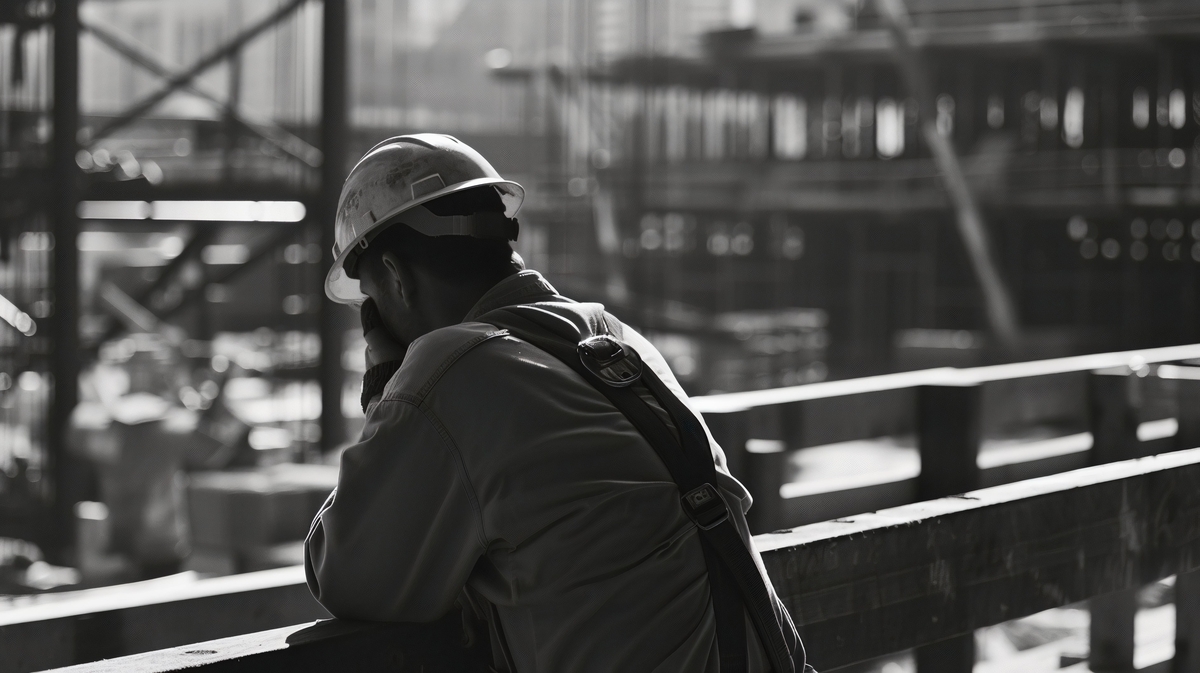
(389, 184)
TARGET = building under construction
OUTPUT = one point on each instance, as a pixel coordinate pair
(798, 162)
(777, 192)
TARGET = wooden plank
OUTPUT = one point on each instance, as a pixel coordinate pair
(103, 623)
(879, 583)
(891, 580)
(319, 647)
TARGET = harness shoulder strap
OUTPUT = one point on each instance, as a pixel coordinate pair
(613, 369)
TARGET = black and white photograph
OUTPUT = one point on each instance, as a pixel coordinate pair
(598, 336)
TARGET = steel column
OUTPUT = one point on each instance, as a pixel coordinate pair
(64, 196)
(334, 136)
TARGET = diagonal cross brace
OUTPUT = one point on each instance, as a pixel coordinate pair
(184, 78)
(269, 131)
(1001, 313)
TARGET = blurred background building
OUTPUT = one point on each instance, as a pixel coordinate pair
(777, 192)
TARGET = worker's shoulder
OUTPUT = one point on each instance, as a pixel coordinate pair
(433, 355)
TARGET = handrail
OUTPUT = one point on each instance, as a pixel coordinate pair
(144, 594)
(869, 585)
(920, 573)
(945, 400)
(943, 376)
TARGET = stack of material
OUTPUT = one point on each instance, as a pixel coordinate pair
(254, 519)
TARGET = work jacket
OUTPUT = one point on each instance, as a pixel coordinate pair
(486, 463)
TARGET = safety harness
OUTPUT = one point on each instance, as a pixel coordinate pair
(616, 370)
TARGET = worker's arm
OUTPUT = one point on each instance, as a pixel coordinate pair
(398, 538)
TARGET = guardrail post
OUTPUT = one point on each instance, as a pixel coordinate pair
(756, 449)
(1188, 397)
(956, 655)
(766, 466)
(1115, 398)
(1187, 622)
(948, 435)
(949, 422)
(1110, 637)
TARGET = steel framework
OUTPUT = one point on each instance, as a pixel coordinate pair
(64, 184)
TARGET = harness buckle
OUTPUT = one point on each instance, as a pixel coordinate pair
(705, 506)
(613, 362)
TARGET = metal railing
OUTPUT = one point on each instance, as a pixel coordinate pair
(1099, 405)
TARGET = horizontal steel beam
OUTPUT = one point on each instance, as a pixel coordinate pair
(185, 77)
(266, 129)
(140, 190)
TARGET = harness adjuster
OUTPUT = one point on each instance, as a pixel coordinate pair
(705, 506)
(612, 361)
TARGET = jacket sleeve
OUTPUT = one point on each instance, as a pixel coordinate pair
(399, 536)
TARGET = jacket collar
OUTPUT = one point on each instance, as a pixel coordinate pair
(522, 288)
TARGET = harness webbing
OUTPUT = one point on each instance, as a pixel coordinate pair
(734, 578)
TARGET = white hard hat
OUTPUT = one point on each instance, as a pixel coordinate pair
(389, 184)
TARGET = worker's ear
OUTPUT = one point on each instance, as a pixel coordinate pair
(402, 276)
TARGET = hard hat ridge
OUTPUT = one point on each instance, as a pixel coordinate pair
(390, 183)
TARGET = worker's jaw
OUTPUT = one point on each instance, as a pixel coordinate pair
(394, 294)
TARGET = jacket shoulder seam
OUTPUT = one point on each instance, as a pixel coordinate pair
(445, 365)
(432, 418)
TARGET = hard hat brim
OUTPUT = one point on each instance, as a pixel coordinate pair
(343, 289)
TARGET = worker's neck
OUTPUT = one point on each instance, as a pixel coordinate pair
(449, 302)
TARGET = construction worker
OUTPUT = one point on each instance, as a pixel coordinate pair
(524, 451)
